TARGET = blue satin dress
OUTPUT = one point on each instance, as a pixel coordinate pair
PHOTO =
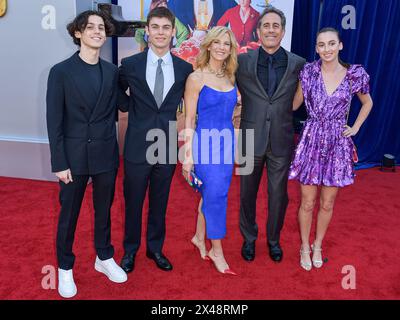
(213, 153)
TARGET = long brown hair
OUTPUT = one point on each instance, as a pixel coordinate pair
(330, 29)
(204, 56)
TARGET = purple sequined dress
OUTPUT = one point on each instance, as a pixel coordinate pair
(323, 155)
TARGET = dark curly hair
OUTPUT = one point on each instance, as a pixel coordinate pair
(80, 22)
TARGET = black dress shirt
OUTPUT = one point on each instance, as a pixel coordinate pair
(279, 63)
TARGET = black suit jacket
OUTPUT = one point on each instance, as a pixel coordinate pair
(271, 118)
(82, 137)
(144, 114)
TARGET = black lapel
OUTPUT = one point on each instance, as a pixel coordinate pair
(253, 64)
(288, 68)
(141, 68)
(177, 75)
(106, 79)
(76, 72)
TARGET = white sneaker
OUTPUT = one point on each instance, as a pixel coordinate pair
(66, 284)
(113, 271)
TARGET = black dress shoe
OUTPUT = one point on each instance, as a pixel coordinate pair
(160, 260)
(128, 262)
(249, 251)
(275, 253)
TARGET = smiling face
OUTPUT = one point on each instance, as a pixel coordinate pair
(94, 34)
(271, 31)
(160, 32)
(220, 48)
(328, 46)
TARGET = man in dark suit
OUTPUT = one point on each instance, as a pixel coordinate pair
(267, 80)
(185, 10)
(82, 94)
(156, 82)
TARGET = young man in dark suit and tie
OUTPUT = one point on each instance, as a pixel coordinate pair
(156, 81)
(81, 110)
(267, 79)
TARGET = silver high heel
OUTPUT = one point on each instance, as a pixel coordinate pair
(305, 265)
(316, 263)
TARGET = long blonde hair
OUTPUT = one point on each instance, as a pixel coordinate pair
(204, 56)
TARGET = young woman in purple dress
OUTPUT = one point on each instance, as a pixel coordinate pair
(323, 156)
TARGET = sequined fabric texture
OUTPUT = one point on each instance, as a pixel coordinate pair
(323, 155)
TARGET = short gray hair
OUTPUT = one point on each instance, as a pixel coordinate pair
(272, 9)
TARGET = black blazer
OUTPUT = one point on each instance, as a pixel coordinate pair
(271, 118)
(144, 113)
(81, 139)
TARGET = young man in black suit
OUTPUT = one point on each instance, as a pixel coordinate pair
(156, 81)
(81, 109)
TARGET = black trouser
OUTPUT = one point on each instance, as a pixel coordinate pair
(277, 175)
(71, 196)
(137, 178)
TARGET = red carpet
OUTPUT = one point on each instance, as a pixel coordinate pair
(364, 233)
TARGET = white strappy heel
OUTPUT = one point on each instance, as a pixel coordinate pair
(305, 265)
(316, 263)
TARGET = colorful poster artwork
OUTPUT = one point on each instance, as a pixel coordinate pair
(195, 17)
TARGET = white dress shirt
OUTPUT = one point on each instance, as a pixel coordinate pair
(167, 68)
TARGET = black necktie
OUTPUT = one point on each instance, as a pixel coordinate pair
(271, 78)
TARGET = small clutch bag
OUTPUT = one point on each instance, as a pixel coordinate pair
(195, 182)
